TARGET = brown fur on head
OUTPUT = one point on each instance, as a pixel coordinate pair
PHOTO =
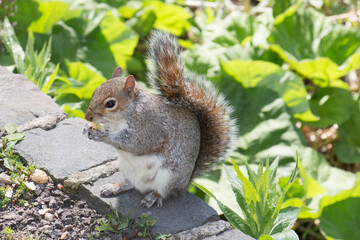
(109, 100)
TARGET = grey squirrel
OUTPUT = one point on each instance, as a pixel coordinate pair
(164, 139)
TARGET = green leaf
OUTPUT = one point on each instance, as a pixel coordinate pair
(353, 192)
(341, 219)
(285, 220)
(311, 186)
(84, 15)
(170, 17)
(51, 12)
(249, 191)
(37, 67)
(227, 39)
(13, 46)
(265, 237)
(15, 137)
(296, 190)
(75, 49)
(259, 73)
(285, 8)
(332, 105)
(273, 169)
(267, 129)
(143, 21)
(110, 45)
(232, 217)
(332, 179)
(8, 164)
(315, 47)
(10, 128)
(348, 147)
(285, 235)
(72, 112)
(88, 79)
(237, 188)
(50, 80)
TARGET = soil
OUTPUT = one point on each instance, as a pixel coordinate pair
(67, 218)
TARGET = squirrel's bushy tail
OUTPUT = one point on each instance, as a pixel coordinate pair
(218, 131)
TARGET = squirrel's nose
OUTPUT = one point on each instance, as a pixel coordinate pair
(89, 116)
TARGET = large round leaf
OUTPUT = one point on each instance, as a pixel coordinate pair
(341, 220)
(331, 105)
(314, 46)
(259, 73)
(348, 146)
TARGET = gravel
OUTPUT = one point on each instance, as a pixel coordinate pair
(66, 217)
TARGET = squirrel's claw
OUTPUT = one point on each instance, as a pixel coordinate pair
(94, 134)
(113, 189)
(150, 199)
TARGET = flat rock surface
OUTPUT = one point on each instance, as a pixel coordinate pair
(64, 150)
(22, 101)
(233, 234)
(177, 214)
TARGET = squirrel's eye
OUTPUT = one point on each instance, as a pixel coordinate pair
(110, 104)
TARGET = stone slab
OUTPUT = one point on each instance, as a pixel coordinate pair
(64, 150)
(206, 230)
(72, 183)
(177, 214)
(22, 101)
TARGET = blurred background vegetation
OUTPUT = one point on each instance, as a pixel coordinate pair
(289, 69)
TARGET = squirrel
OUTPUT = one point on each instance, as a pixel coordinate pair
(165, 139)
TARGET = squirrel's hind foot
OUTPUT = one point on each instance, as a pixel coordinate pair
(114, 189)
(151, 198)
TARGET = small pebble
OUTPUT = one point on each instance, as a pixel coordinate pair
(39, 176)
(30, 185)
(49, 217)
(65, 235)
(57, 232)
(52, 203)
(80, 204)
(5, 178)
(58, 224)
(68, 228)
(43, 211)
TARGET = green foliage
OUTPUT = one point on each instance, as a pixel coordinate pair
(314, 47)
(8, 233)
(337, 220)
(145, 223)
(34, 65)
(19, 172)
(348, 149)
(271, 76)
(260, 203)
(117, 224)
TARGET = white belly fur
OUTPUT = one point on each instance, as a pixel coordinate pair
(136, 170)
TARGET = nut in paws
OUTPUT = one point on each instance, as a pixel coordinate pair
(94, 134)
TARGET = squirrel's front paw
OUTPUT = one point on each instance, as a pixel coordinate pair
(94, 134)
(113, 189)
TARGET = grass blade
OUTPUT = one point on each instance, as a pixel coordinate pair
(51, 80)
(13, 46)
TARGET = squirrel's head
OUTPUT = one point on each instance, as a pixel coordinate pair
(109, 100)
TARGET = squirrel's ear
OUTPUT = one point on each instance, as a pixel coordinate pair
(130, 86)
(117, 72)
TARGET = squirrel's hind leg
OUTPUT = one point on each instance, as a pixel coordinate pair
(113, 189)
(151, 198)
